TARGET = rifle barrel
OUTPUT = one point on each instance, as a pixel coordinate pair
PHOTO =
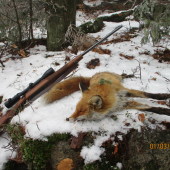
(108, 35)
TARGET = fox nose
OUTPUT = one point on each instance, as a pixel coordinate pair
(67, 119)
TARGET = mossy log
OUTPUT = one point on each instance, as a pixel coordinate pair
(98, 24)
(90, 27)
(117, 17)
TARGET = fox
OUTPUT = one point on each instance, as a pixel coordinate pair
(103, 93)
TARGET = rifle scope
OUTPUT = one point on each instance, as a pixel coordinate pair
(11, 101)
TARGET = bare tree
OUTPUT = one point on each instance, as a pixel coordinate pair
(18, 18)
(18, 23)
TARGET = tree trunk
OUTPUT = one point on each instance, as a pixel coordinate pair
(60, 14)
(31, 21)
(18, 22)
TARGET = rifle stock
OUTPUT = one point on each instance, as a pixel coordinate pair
(48, 82)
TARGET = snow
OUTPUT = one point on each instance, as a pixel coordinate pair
(91, 154)
(119, 165)
(92, 3)
(41, 121)
(4, 154)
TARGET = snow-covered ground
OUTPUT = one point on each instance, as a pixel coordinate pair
(41, 121)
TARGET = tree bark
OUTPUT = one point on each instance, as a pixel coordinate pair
(60, 14)
(18, 22)
(31, 15)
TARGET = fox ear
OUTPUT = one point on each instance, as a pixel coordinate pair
(82, 87)
(96, 101)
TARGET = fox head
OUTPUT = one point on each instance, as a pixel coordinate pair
(89, 106)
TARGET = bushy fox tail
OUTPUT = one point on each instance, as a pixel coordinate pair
(64, 88)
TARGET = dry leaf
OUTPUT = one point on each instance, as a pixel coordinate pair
(141, 117)
(161, 102)
(126, 56)
(157, 73)
(65, 164)
(7, 59)
(116, 149)
(14, 46)
(153, 79)
(22, 53)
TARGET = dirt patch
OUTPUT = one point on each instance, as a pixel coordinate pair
(101, 51)
(122, 38)
(162, 55)
(93, 63)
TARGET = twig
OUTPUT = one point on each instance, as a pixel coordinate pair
(37, 126)
(168, 80)
(138, 67)
(2, 53)
(5, 138)
(28, 133)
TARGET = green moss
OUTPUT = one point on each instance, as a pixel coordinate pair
(103, 165)
(102, 81)
(16, 132)
(90, 27)
(151, 165)
(36, 153)
(98, 25)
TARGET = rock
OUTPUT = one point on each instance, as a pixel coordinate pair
(62, 151)
(90, 27)
(148, 150)
(98, 24)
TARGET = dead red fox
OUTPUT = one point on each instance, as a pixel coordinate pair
(104, 94)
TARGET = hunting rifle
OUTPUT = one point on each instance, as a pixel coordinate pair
(42, 85)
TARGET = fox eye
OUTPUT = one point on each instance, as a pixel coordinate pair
(80, 111)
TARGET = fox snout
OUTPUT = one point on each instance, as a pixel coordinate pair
(71, 120)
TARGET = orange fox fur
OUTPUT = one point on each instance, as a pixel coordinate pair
(104, 94)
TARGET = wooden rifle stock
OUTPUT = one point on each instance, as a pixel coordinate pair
(48, 82)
